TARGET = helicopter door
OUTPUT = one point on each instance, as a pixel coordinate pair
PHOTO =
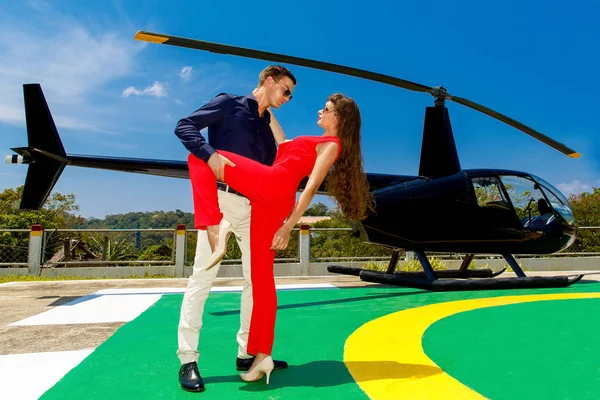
(529, 203)
(489, 194)
(495, 218)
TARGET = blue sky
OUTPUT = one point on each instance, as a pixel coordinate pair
(113, 96)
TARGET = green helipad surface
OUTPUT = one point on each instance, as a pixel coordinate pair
(540, 350)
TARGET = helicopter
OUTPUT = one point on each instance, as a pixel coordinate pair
(443, 209)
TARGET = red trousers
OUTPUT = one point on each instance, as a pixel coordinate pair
(272, 199)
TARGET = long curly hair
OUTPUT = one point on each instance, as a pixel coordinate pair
(347, 182)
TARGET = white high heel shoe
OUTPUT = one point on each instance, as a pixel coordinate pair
(265, 367)
(224, 233)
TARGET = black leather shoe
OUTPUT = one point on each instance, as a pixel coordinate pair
(244, 364)
(190, 379)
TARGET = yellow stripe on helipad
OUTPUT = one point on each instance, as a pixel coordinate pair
(386, 358)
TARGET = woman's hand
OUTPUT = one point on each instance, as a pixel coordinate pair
(281, 238)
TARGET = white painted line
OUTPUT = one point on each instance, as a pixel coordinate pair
(214, 289)
(123, 305)
(306, 286)
(139, 291)
(94, 309)
(28, 376)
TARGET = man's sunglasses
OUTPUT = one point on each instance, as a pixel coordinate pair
(286, 92)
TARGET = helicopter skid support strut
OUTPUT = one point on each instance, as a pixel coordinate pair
(456, 280)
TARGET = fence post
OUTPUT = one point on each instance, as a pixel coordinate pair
(35, 250)
(304, 248)
(180, 250)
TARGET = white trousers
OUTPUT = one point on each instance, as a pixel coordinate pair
(235, 209)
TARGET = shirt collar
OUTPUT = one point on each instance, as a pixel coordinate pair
(253, 103)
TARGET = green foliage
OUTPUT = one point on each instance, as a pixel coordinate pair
(341, 243)
(31, 278)
(406, 266)
(317, 210)
(59, 211)
(157, 252)
(415, 266)
(586, 209)
(116, 250)
(143, 220)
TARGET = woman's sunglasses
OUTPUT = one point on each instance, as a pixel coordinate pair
(328, 110)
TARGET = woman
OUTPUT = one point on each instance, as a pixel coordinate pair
(272, 192)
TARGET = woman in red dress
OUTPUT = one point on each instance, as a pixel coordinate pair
(272, 192)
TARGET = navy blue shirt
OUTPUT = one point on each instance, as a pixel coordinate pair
(233, 125)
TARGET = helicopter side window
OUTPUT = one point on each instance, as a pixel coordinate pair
(529, 202)
(489, 194)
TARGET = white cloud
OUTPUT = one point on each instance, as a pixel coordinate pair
(574, 187)
(70, 60)
(157, 90)
(185, 73)
(12, 115)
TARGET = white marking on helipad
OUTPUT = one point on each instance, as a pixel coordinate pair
(213, 289)
(28, 376)
(94, 309)
(104, 292)
(124, 305)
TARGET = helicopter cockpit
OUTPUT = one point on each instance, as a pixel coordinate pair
(537, 203)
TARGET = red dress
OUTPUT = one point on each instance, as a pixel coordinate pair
(272, 193)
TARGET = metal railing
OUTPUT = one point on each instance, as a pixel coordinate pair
(158, 247)
(119, 246)
(14, 247)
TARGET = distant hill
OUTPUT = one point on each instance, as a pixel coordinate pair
(168, 219)
(143, 220)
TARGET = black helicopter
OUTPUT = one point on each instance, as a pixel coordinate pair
(443, 209)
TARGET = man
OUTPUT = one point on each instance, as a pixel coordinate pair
(238, 124)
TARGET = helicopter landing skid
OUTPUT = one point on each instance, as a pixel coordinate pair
(452, 273)
(443, 285)
(455, 280)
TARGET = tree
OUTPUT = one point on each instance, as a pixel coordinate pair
(158, 252)
(317, 210)
(58, 212)
(341, 243)
(586, 209)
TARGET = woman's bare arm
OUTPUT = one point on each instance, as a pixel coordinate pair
(278, 133)
(324, 161)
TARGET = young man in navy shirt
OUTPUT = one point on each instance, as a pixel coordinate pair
(239, 124)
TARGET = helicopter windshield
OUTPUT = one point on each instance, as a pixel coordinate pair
(557, 200)
(527, 199)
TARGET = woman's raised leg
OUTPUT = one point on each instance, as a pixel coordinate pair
(204, 191)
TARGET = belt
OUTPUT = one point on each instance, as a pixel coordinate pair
(226, 188)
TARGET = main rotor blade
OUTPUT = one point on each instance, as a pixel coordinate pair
(263, 55)
(274, 57)
(516, 124)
